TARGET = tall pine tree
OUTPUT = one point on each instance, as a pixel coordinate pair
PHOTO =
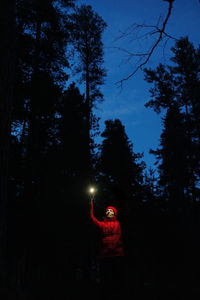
(41, 64)
(178, 84)
(118, 165)
(173, 157)
(87, 30)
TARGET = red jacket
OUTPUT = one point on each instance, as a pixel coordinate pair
(111, 236)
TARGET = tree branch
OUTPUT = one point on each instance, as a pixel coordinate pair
(156, 30)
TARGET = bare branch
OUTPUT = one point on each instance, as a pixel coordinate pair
(156, 30)
(128, 52)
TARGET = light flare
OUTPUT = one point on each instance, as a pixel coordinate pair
(92, 190)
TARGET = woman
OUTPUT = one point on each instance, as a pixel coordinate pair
(111, 251)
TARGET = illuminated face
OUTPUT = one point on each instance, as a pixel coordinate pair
(109, 213)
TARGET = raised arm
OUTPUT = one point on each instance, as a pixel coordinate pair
(94, 220)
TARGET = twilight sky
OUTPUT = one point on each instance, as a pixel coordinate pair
(143, 126)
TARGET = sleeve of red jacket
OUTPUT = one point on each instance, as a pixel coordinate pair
(94, 220)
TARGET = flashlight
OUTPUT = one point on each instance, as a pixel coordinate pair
(92, 190)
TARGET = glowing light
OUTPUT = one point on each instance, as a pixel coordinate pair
(92, 190)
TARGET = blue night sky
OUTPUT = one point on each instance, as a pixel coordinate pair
(143, 126)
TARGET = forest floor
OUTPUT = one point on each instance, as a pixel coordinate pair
(92, 291)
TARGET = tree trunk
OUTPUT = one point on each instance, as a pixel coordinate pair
(7, 77)
(32, 165)
(88, 121)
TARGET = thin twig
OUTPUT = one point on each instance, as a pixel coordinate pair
(160, 37)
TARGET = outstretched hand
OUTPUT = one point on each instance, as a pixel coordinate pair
(91, 198)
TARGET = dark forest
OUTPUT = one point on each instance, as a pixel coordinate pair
(49, 158)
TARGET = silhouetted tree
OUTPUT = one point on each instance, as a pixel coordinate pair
(118, 164)
(150, 179)
(42, 39)
(120, 176)
(173, 167)
(178, 86)
(87, 30)
(7, 78)
(175, 89)
(74, 131)
(151, 190)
